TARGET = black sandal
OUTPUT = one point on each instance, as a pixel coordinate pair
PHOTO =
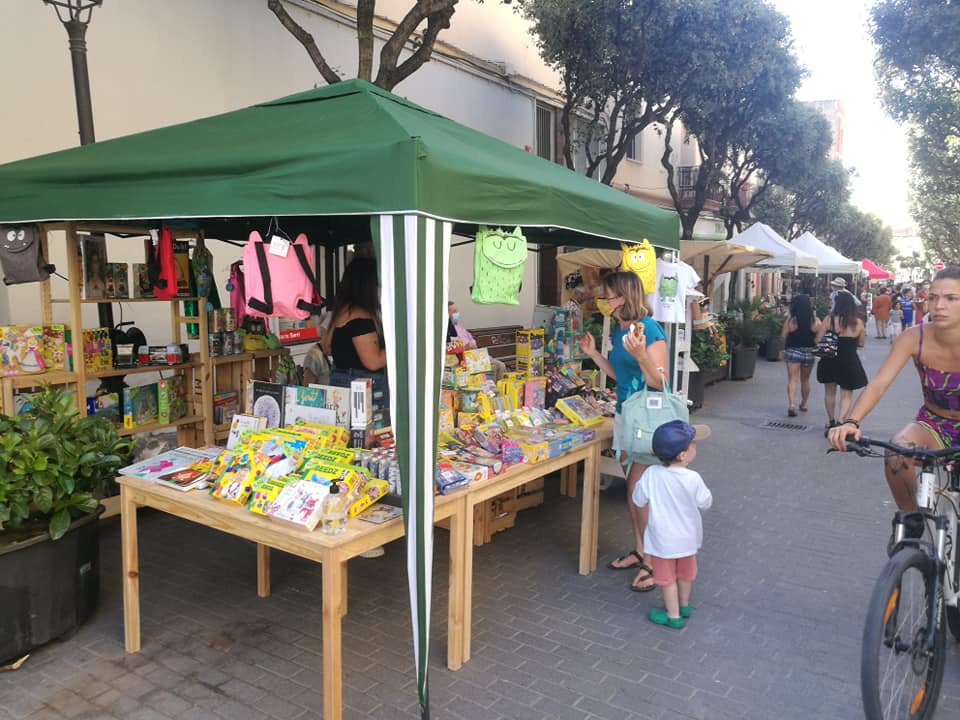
(647, 578)
(636, 566)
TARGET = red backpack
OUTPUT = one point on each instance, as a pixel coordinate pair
(280, 285)
(161, 267)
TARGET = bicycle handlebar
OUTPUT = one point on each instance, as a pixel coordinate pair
(920, 453)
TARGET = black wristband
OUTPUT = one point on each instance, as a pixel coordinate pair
(851, 421)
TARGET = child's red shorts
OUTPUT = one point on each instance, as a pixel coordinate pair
(666, 571)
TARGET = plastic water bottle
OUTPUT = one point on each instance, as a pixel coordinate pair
(334, 511)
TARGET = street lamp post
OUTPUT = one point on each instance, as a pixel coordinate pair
(75, 16)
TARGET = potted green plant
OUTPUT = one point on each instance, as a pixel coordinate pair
(707, 351)
(54, 467)
(745, 331)
(773, 319)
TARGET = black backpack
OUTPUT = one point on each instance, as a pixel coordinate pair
(20, 255)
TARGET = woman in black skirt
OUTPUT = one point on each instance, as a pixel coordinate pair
(845, 369)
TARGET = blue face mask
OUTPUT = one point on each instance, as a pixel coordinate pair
(455, 318)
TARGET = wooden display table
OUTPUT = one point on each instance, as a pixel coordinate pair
(332, 551)
(518, 475)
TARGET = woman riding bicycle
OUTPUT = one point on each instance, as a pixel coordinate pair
(934, 345)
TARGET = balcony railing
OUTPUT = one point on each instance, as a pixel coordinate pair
(686, 183)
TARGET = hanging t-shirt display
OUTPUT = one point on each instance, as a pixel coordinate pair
(674, 282)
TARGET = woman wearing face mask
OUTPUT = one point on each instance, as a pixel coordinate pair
(638, 358)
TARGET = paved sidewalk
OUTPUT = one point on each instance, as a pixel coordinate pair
(793, 544)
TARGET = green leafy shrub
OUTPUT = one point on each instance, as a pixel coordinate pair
(745, 325)
(54, 464)
(706, 349)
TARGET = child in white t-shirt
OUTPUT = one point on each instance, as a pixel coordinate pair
(896, 320)
(674, 533)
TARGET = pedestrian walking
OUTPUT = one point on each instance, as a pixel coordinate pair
(799, 331)
(896, 320)
(845, 369)
(675, 495)
(881, 312)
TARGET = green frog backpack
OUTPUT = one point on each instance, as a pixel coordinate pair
(498, 266)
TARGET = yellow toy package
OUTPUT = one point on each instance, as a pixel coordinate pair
(477, 360)
(371, 491)
(265, 492)
(235, 484)
(530, 350)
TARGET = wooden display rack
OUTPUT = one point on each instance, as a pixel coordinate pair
(196, 428)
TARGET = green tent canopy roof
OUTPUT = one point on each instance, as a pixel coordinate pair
(349, 149)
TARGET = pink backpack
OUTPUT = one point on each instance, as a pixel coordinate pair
(280, 285)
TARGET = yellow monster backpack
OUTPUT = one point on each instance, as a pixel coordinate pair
(642, 260)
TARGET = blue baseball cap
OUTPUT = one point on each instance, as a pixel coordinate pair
(672, 438)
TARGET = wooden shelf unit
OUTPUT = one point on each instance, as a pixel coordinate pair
(197, 427)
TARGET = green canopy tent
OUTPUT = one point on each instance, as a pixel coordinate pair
(346, 163)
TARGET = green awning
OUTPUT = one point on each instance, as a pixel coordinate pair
(346, 163)
(345, 149)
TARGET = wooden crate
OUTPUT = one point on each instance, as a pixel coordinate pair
(494, 515)
(530, 495)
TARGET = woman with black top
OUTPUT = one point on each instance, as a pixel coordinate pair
(799, 331)
(355, 337)
(845, 369)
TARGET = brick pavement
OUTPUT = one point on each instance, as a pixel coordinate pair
(793, 544)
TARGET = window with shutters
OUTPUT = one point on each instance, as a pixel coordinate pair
(545, 132)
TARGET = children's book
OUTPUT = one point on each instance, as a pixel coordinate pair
(300, 502)
(240, 424)
(191, 477)
(168, 462)
(267, 401)
(310, 404)
(380, 513)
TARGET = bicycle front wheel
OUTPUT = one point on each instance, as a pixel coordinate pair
(901, 669)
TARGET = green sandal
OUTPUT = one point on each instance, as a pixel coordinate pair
(659, 617)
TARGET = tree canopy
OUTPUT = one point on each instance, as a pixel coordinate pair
(620, 63)
(918, 68)
(418, 28)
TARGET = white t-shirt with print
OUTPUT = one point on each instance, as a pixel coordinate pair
(676, 496)
(674, 282)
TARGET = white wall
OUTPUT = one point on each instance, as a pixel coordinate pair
(159, 63)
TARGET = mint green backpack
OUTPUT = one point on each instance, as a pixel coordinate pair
(498, 266)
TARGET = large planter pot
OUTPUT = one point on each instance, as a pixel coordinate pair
(47, 588)
(744, 363)
(775, 346)
(709, 377)
(695, 392)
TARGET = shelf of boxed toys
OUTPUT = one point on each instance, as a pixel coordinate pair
(197, 369)
(186, 420)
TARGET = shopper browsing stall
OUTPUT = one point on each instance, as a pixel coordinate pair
(638, 358)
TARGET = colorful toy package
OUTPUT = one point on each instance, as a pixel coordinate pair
(300, 502)
(139, 406)
(9, 341)
(171, 398)
(28, 349)
(369, 492)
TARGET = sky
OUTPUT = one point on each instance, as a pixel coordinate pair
(833, 43)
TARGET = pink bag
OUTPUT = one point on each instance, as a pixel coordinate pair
(279, 285)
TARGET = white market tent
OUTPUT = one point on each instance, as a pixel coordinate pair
(784, 254)
(829, 260)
